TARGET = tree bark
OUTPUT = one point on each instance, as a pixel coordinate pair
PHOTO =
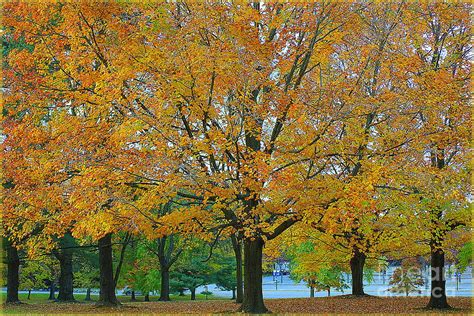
(147, 297)
(66, 289)
(165, 285)
(233, 294)
(107, 282)
(193, 294)
(311, 291)
(29, 293)
(236, 244)
(88, 295)
(438, 299)
(181, 292)
(52, 290)
(13, 267)
(357, 269)
(329, 291)
(133, 298)
(253, 295)
(166, 260)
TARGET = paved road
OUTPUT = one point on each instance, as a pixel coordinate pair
(289, 289)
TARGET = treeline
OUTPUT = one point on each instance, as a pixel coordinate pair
(166, 265)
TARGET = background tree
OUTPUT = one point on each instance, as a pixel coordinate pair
(465, 257)
(87, 270)
(192, 271)
(141, 269)
(33, 275)
(407, 278)
(319, 268)
(223, 269)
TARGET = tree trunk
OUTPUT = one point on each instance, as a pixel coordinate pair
(329, 291)
(253, 295)
(52, 290)
(357, 269)
(311, 291)
(66, 290)
(438, 297)
(193, 294)
(181, 292)
(29, 293)
(238, 260)
(13, 267)
(125, 242)
(133, 298)
(88, 295)
(165, 284)
(147, 297)
(107, 283)
(233, 294)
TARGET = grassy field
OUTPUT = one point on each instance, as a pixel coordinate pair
(42, 298)
(321, 305)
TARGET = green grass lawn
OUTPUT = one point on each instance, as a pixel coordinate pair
(36, 298)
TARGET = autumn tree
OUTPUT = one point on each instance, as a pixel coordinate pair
(440, 170)
(57, 200)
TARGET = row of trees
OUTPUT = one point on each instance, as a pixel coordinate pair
(140, 271)
(265, 124)
(197, 265)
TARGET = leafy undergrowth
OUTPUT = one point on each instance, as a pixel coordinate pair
(346, 305)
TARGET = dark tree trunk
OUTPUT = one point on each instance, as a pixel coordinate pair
(311, 291)
(181, 292)
(88, 295)
(147, 297)
(66, 290)
(357, 269)
(438, 297)
(29, 293)
(253, 295)
(165, 284)
(236, 244)
(193, 294)
(13, 267)
(165, 250)
(133, 298)
(52, 290)
(107, 282)
(233, 294)
(329, 291)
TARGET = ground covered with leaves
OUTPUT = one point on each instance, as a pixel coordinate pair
(341, 304)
